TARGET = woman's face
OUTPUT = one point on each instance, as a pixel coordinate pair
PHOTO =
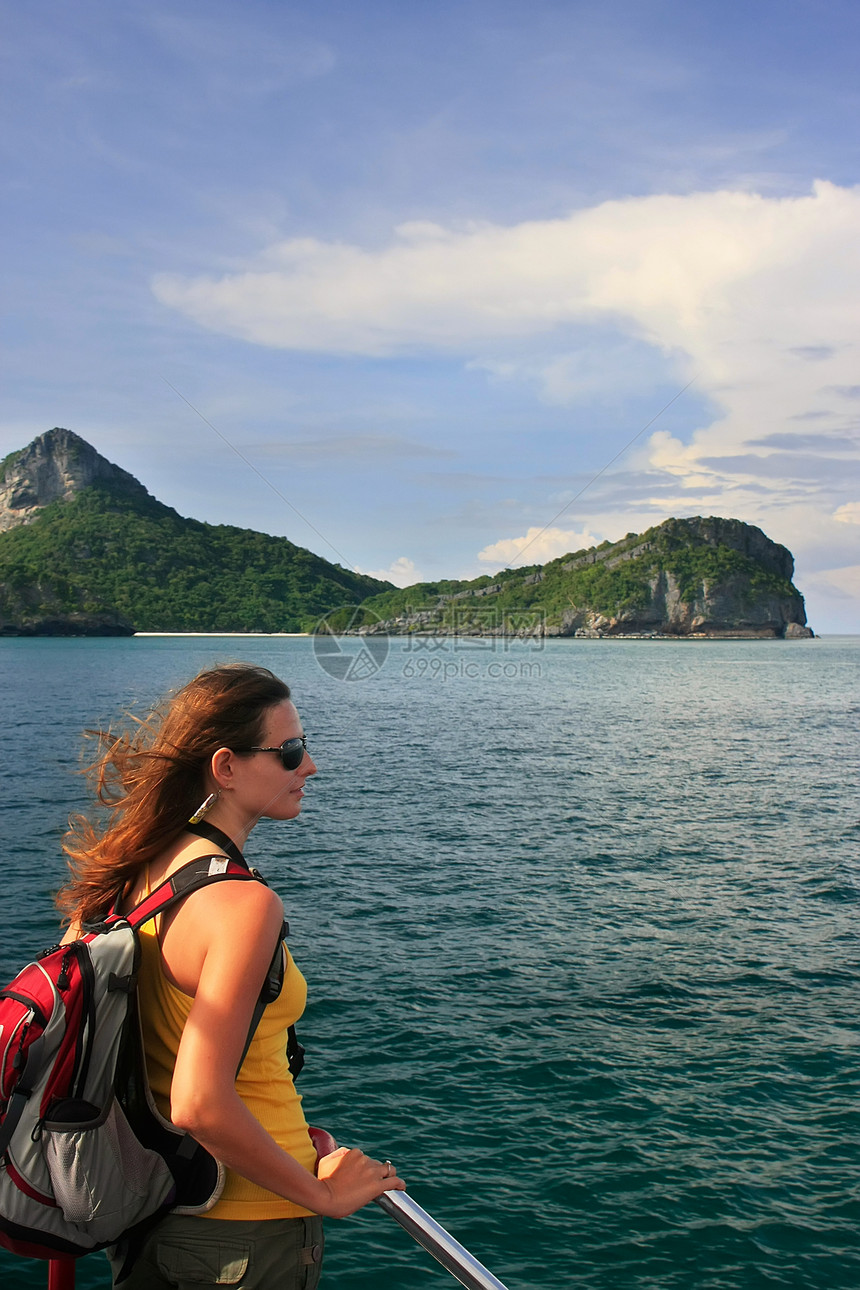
(263, 786)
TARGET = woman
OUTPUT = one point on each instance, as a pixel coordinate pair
(228, 746)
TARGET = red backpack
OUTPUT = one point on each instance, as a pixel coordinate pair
(86, 1160)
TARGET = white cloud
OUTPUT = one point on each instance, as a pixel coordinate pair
(848, 514)
(401, 572)
(537, 546)
(756, 297)
(845, 581)
(681, 271)
(593, 365)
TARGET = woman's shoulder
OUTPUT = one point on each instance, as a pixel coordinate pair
(218, 902)
(232, 901)
(232, 926)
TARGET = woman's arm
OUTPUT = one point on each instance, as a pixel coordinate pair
(224, 935)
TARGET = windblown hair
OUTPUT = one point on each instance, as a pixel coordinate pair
(150, 778)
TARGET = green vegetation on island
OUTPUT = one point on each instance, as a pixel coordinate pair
(85, 549)
(110, 552)
(669, 578)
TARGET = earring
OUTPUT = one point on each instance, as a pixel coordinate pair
(205, 807)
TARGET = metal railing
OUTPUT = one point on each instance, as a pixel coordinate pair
(436, 1241)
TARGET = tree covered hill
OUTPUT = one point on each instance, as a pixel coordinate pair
(685, 577)
(84, 548)
(88, 549)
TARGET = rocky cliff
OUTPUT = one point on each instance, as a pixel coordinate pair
(54, 467)
(699, 577)
(85, 549)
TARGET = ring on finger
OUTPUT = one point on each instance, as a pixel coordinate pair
(389, 1169)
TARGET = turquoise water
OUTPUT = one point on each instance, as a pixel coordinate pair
(580, 929)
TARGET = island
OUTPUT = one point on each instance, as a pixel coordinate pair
(85, 549)
(698, 578)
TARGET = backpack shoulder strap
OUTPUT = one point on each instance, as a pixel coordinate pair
(191, 877)
(270, 991)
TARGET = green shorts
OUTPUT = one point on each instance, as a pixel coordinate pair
(193, 1253)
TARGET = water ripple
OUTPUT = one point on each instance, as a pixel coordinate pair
(582, 947)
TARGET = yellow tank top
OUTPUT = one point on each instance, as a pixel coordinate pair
(264, 1084)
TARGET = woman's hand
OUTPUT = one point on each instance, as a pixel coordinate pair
(352, 1179)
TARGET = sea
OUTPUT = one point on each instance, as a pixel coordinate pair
(580, 925)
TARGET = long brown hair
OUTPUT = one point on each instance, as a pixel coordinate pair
(150, 778)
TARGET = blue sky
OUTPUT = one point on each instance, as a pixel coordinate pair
(430, 266)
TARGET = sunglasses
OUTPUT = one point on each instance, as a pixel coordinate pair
(291, 752)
